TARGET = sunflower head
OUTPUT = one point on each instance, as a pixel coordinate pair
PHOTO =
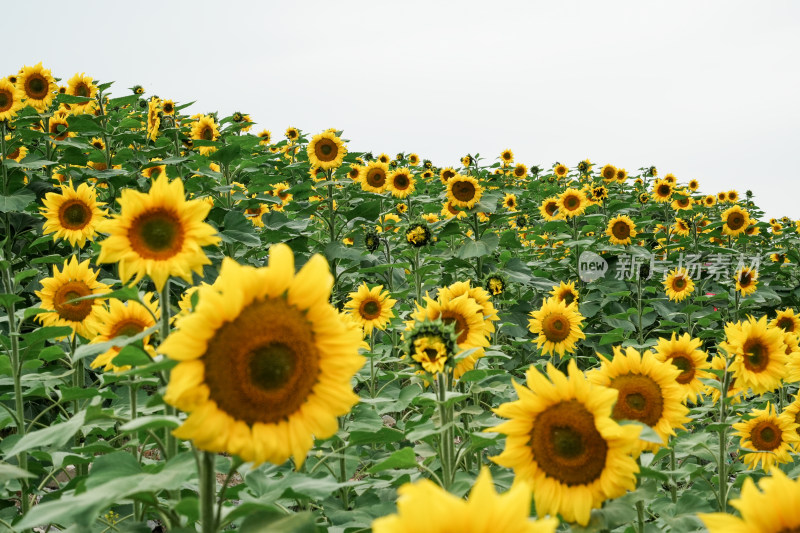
(10, 99)
(431, 346)
(621, 229)
(560, 170)
(735, 221)
(326, 151)
(768, 437)
(418, 234)
(685, 354)
(662, 191)
(464, 191)
(678, 284)
(746, 280)
(572, 202)
(520, 171)
(38, 85)
(495, 284)
(401, 183)
(371, 308)
(565, 292)
(558, 326)
(373, 177)
(759, 354)
(372, 240)
(73, 215)
(609, 173)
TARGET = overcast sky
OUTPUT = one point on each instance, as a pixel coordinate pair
(705, 90)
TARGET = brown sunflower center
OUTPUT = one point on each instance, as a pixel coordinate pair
(664, 190)
(609, 173)
(75, 311)
(326, 150)
(262, 365)
(74, 214)
(735, 221)
(568, 297)
(376, 177)
(679, 283)
(36, 86)
(621, 230)
(6, 100)
(550, 208)
(463, 191)
(128, 328)
(756, 355)
(401, 181)
(156, 234)
(566, 444)
(766, 435)
(745, 278)
(640, 398)
(786, 324)
(572, 202)
(370, 309)
(207, 133)
(14, 154)
(685, 365)
(168, 108)
(556, 327)
(82, 90)
(461, 327)
(447, 174)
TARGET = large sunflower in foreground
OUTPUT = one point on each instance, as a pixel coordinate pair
(678, 284)
(759, 354)
(124, 318)
(59, 294)
(326, 151)
(562, 440)
(72, 215)
(773, 509)
(158, 233)
(735, 221)
(685, 354)
(426, 506)
(10, 100)
(572, 202)
(464, 191)
(265, 361)
(558, 326)
(769, 436)
(371, 308)
(648, 392)
(38, 85)
(620, 230)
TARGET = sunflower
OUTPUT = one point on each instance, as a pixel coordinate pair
(771, 437)
(72, 215)
(484, 512)
(771, 510)
(446, 173)
(520, 171)
(154, 171)
(709, 200)
(678, 284)
(549, 209)
(682, 203)
(76, 280)
(326, 151)
(620, 230)
(477, 295)
(10, 99)
(694, 185)
(413, 159)
(388, 222)
(466, 161)
(558, 326)
(124, 319)
(373, 177)
(154, 119)
(205, 128)
(681, 227)
(510, 202)
(281, 191)
(565, 292)
(82, 85)
(622, 175)
(792, 411)
(648, 392)
(38, 85)
(572, 202)
(746, 280)
(292, 133)
(735, 221)
(562, 441)
(59, 128)
(401, 182)
(158, 233)
(449, 211)
(787, 321)
(265, 362)
(662, 191)
(732, 196)
(495, 284)
(507, 156)
(684, 353)
(609, 173)
(372, 308)
(759, 354)
(418, 234)
(644, 198)
(560, 170)
(464, 191)
(264, 137)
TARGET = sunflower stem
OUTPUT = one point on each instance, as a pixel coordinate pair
(640, 515)
(16, 370)
(446, 435)
(172, 442)
(208, 489)
(673, 485)
(723, 441)
(372, 363)
(78, 381)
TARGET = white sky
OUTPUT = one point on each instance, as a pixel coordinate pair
(705, 90)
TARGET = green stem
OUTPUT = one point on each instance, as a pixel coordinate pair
(344, 491)
(208, 489)
(673, 488)
(723, 442)
(640, 515)
(445, 436)
(172, 442)
(372, 363)
(639, 329)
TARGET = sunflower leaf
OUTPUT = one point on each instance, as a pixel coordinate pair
(404, 458)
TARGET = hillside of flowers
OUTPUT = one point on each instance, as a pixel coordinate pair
(208, 326)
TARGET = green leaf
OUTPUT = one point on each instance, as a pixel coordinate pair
(266, 522)
(239, 229)
(85, 350)
(22, 275)
(383, 436)
(132, 355)
(151, 422)
(7, 300)
(9, 472)
(226, 154)
(43, 334)
(16, 202)
(56, 435)
(404, 458)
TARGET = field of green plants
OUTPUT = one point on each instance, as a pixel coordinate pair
(208, 326)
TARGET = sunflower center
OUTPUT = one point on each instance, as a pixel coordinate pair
(640, 398)
(621, 230)
(156, 234)
(756, 355)
(75, 311)
(463, 191)
(128, 328)
(74, 214)
(36, 87)
(5, 100)
(401, 181)
(664, 190)
(572, 202)
(82, 90)
(567, 297)
(326, 150)
(679, 283)
(556, 327)
(745, 278)
(262, 365)
(207, 134)
(376, 177)
(686, 366)
(370, 310)
(609, 173)
(566, 444)
(519, 172)
(447, 174)
(735, 221)
(14, 154)
(550, 208)
(786, 324)
(462, 330)
(766, 435)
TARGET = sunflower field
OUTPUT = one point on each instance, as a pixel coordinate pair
(209, 328)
